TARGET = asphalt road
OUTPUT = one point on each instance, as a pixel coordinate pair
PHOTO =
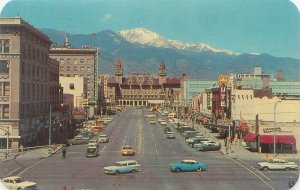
(154, 152)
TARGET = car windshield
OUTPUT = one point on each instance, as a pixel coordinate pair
(91, 150)
(19, 180)
(102, 136)
(127, 147)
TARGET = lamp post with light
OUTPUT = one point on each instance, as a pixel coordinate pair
(275, 105)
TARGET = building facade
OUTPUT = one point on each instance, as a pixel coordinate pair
(139, 89)
(82, 63)
(28, 81)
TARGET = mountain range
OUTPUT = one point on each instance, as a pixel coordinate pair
(141, 50)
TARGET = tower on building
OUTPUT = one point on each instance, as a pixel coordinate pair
(279, 76)
(162, 75)
(66, 43)
(118, 71)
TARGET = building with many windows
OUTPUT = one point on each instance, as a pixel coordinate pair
(81, 62)
(28, 82)
(139, 89)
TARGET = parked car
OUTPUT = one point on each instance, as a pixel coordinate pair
(167, 129)
(164, 122)
(277, 164)
(92, 151)
(183, 129)
(78, 140)
(127, 150)
(18, 183)
(170, 135)
(187, 165)
(103, 139)
(208, 146)
(127, 166)
(152, 121)
(197, 140)
(160, 120)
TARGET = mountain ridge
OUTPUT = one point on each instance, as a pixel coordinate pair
(205, 65)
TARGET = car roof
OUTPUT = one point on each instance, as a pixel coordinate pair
(189, 160)
(125, 161)
(125, 146)
(276, 159)
(12, 177)
(92, 147)
(102, 135)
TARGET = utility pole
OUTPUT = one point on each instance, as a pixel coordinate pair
(50, 127)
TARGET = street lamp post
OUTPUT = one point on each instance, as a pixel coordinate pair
(50, 126)
(275, 105)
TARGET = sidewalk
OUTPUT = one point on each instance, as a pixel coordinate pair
(237, 151)
(38, 153)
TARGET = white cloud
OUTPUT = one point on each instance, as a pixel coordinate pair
(297, 3)
(107, 17)
(3, 3)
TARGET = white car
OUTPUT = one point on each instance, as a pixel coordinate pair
(170, 135)
(18, 183)
(277, 164)
(103, 139)
(93, 143)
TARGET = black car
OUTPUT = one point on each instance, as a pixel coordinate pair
(167, 129)
(183, 129)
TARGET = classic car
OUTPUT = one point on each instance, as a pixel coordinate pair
(78, 140)
(127, 150)
(127, 166)
(92, 151)
(187, 165)
(167, 129)
(207, 145)
(277, 164)
(197, 140)
(170, 135)
(103, 139)
(163, 122)
(93, 142)
(18, 183)
(152, 121)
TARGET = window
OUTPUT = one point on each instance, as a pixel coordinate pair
(68, 68)
(81, 61)
(71, 86)
(4, 67)
(68, 61)
(75, 61)
(4, 46)
(81, 68)
(75, 68)
(6, 89)
(5, 111)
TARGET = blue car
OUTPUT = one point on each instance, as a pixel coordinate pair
(187, 166)
(127, 166)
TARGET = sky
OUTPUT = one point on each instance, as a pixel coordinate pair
(241, 26)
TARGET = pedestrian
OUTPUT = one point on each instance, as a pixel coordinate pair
(21, 148)
(291, 182)
(64, 152)
(225, 141)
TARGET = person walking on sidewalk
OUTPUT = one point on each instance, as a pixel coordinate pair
(64, 151)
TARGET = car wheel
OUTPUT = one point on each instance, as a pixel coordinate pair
(133, 171)
(265, 168)
(287, 169)
(117, 172)
(177, 170)
(199, 169)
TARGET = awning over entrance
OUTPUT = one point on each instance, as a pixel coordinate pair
(250, 137)
(283, 139)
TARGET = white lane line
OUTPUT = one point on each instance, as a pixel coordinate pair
(254, 174)
(30, 167)
(256, 170)
(12, 171)
(103, 148)
(155, 148)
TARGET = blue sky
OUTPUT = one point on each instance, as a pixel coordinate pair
(242, 26)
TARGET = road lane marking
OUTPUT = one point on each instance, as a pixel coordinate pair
(139, 136)
(156, 148)
(254, 174)
(12, 172)
(30, 167)
(103, 148)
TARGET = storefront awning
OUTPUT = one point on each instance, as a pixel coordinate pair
(283, 139)
(250, 137)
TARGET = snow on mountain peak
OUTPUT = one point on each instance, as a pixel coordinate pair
(147, 37)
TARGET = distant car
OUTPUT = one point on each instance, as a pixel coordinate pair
(277, 164)
(127, 150)
(163, 122)
(18, 183)
(170, 135)
(167, 129)
(103, 139)
(127, 166)
(160, 120)
(187, 165)
(78, 140)
(152, 121)
(197, 140)
(93, 142)
(208, 146)
(92, 151)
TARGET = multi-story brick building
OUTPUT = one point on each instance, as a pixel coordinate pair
(82, 63)
(139, 89)
(28, 82)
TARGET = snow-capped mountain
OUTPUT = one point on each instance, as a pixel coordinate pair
(147, 37)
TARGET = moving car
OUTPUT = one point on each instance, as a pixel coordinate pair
(127, 166)
(167, 129)
(103, 139)
(187, 165)
(92, 143)
(163, 122)
(127, 150)
(277, 164)
(152, 121)
(78, 140)
(92, 151)
(170, 135)
(18, 183)
(208, 146)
